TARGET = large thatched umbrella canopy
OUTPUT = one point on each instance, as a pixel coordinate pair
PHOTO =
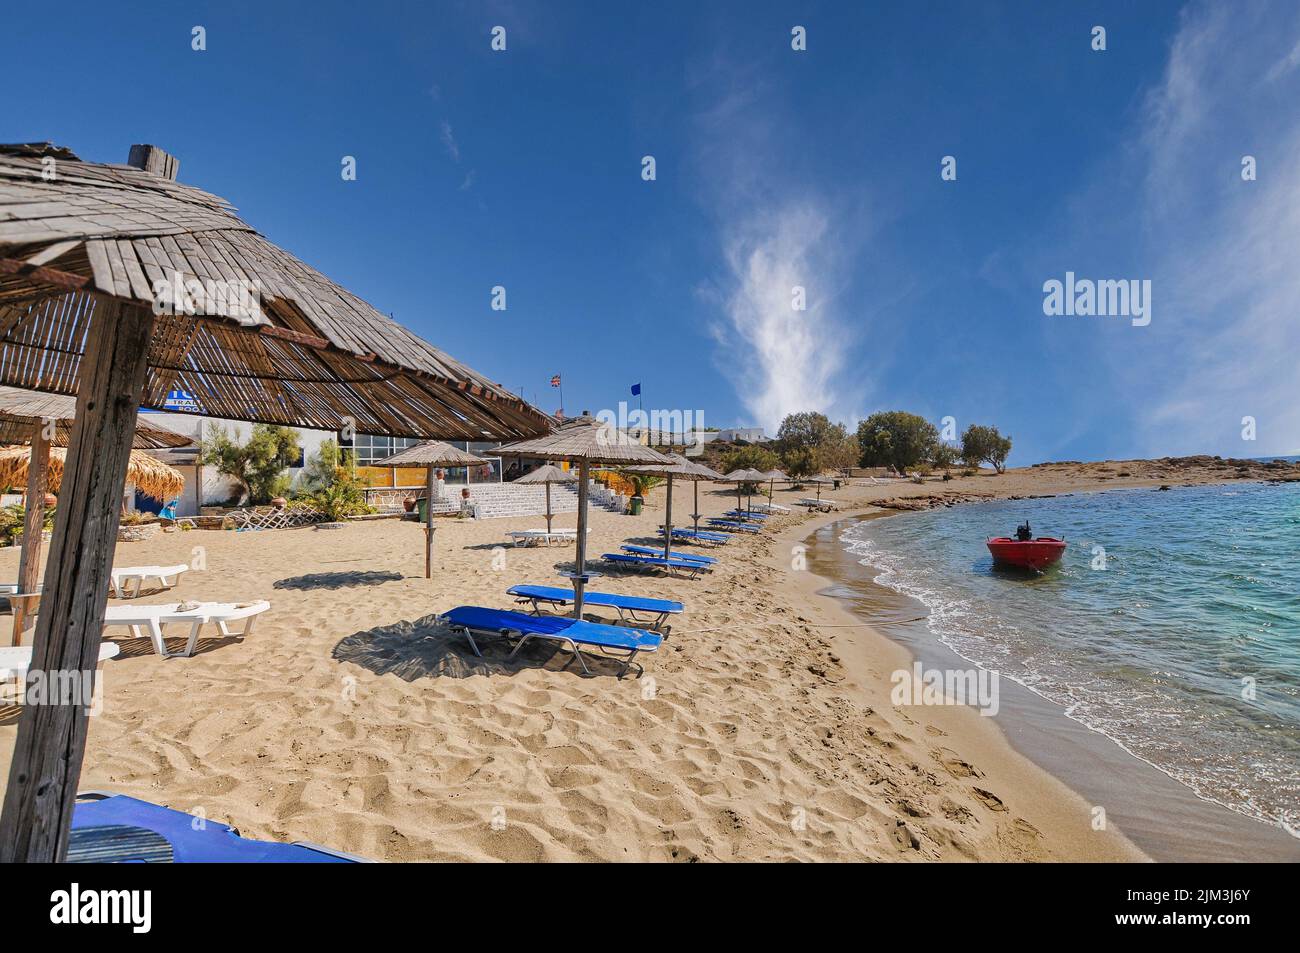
(584, 440)
(119, 285)
(24, 411)
(150, 475)
(771, 476)
(431, 454)
(547, 474)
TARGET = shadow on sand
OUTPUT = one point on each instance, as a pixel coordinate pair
(427, 648)
(338, 580)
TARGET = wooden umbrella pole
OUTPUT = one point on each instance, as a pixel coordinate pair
(51, 743)
(668, 520)
(548, 506)
(29, 560)
(428, 523)
(696, 515)
(579, 582)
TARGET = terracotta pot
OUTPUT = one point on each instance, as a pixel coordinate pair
(279, 502)
(50, 500)
(464, 493)
(408, 504)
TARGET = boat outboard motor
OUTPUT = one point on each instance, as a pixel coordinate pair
(1023, 533)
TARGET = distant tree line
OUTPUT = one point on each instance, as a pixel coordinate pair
(809, 443)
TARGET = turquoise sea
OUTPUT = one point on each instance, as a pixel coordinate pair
(1171, 625)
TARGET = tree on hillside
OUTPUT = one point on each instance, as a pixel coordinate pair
(897, 439)
(258, 465)
(808, 442)
(943, 456)
(981, 444)
(838, 451)
(752, 457)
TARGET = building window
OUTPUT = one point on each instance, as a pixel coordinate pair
(368, 449)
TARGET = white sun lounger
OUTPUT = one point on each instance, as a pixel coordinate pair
(122, 578)
(154, 617)
(526, 537)
(769, 508)
(824, 505)
(16, 660)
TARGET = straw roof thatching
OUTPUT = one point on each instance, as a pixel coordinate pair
(744, 475)
(151, 477)
(21, 410)
(775, 475)
(584, 438)
(431, 453)
(548, 474)
(307, 353)
(681, 469)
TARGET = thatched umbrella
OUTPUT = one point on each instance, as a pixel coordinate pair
(742, 476)
(772, 476)
(150, 475)
(819, 482)
(682, 469)
(584, 440)
(41, 420)
(119, 285)
(548, 474)
(431, 454)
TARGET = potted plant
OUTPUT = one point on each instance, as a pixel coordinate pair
(641, 485)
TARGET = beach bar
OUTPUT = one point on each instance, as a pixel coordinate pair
(118, 285)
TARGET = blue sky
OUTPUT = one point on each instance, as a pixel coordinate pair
(774, 168)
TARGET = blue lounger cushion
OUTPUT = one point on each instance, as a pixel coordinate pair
(612, 600)
(675, 562)
(211, 843)
(746, 515)
(574, 632)
(680, 533)
(732, 526)
(650, 551)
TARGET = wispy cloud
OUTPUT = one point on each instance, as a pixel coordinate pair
(449, 140)
(1225, 248)
(782, 359)
(774, 236)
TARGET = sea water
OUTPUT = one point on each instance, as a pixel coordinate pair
(1171, 624)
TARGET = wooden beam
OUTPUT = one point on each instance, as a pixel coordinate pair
(428, 522)
(29, 559)
(51, 739)
(155, 160)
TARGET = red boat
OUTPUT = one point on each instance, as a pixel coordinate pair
(1024, 550)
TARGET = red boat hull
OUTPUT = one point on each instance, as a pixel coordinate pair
(1030, 554)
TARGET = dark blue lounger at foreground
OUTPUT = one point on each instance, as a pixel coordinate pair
(626, 605)
(114, 828)
(615, 642)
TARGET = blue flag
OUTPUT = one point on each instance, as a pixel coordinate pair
(636, 390)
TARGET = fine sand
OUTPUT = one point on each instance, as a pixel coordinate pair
(762, 729)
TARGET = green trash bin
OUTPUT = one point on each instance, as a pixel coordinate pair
(634, 505)
(422, 507)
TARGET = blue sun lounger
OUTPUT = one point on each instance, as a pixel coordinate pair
(113, 828)
(651, 551)
(746, 515)
(628, 606)
(673, 564)
(703, 536)
(613, 641)
(733, 526)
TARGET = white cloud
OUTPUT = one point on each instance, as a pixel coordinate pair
(449, 141)
(1225, 249)
(782, 360)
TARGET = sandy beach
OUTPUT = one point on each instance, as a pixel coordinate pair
(762, 730)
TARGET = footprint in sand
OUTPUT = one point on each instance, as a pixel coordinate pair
(989, 799)
(955, 765)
